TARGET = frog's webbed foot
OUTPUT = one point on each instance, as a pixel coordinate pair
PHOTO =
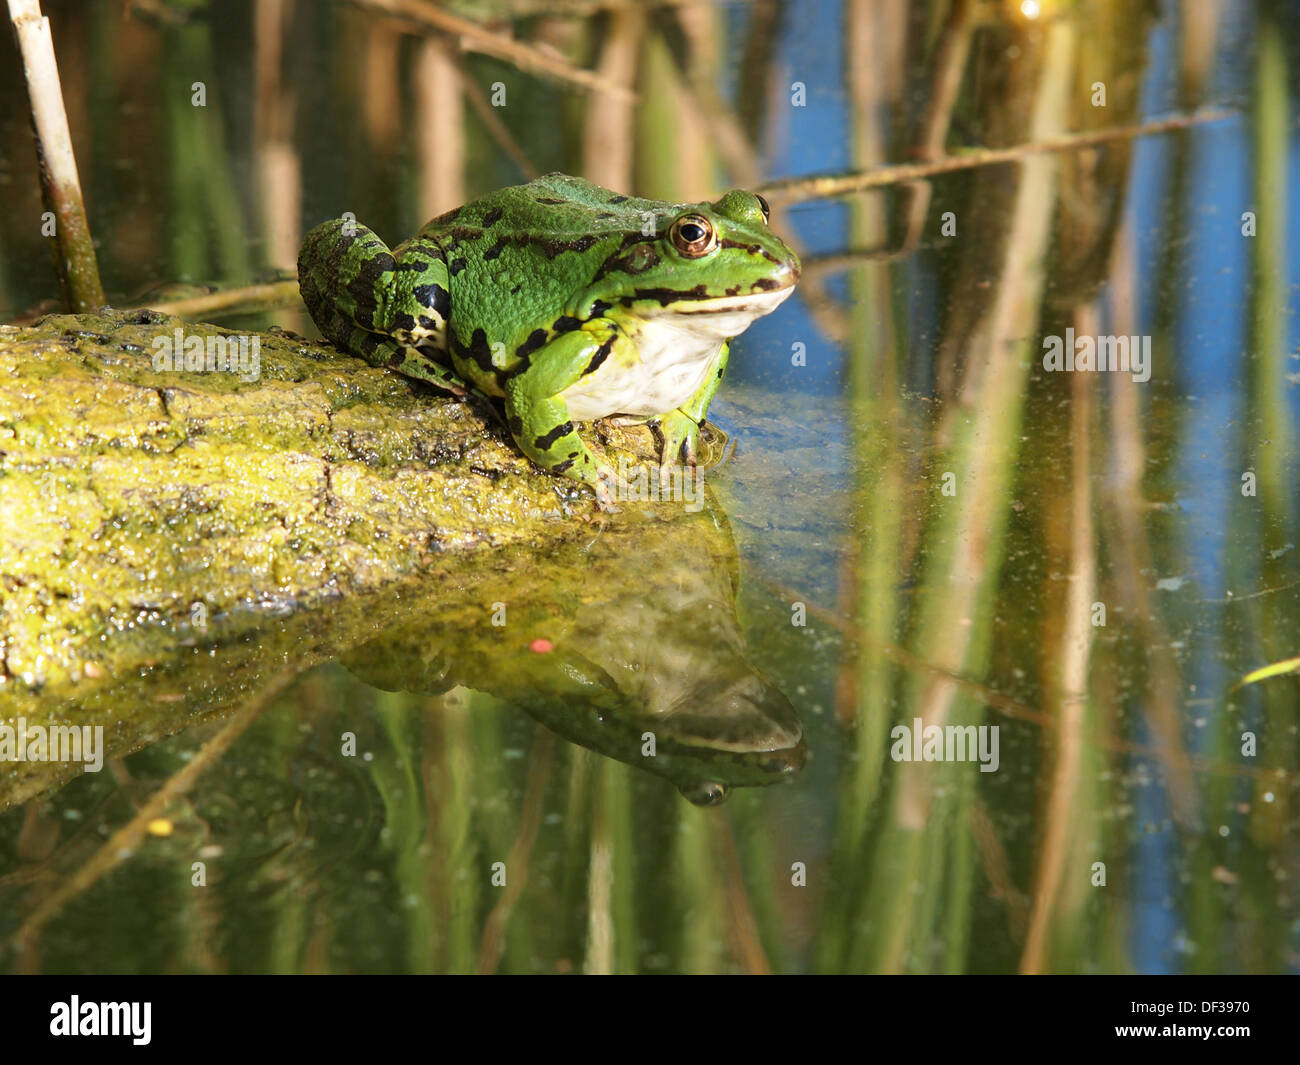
(680, 428)
(681, 439)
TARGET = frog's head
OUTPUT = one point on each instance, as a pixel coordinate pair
(714, 266)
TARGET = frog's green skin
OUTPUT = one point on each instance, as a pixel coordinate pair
(568, 301)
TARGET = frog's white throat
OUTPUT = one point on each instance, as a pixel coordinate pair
(675, 350)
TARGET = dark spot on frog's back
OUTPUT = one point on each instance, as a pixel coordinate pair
(453, 238)
(552, 248)
(495, 250)
(549, 201)
(567, 324)
(456, 267)
(446, 219)
(618, 199)
(493, 216)
(766, 284)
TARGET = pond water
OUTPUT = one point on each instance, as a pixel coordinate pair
(952, 663)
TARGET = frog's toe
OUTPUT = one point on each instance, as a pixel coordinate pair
(681, 436)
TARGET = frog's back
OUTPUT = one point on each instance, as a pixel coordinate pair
(518, 256)
(553, 205)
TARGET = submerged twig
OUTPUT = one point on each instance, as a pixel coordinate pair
(492, 944)
(126, 840)
(747, 943)
(60, 185)
(825, 186)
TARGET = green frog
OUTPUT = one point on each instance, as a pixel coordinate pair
(565, 300)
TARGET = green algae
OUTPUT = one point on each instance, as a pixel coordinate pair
(133, 496)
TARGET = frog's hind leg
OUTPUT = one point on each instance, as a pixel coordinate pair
(389, 307)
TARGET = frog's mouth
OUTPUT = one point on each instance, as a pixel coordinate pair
(755, 303)
(725, 316)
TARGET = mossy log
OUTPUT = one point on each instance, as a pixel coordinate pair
(133, 496)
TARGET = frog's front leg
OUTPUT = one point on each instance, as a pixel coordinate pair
(681, 427)
(539, 417)
(389, 307)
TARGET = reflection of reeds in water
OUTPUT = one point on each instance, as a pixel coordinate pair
(206, 225)
(908, 905)
(1269, 449)
(917, 904)
(279, 169)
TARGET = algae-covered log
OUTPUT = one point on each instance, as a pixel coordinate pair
(134, 495)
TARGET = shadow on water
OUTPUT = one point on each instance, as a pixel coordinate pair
(627, 644)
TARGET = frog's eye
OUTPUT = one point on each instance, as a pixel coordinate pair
(693, 235)
(767, 211)
(704, 792)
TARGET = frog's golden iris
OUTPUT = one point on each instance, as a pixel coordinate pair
(693, 235)
(568, 301)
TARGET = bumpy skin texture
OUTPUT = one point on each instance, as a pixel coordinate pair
(555, 295)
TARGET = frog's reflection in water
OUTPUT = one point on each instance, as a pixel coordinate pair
(625, 641)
